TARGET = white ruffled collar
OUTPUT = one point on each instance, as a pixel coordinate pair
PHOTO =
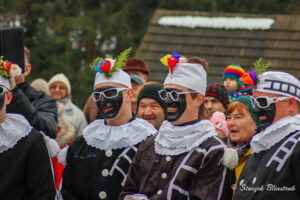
(14, 128)
(274, 133)
(104, 137)
(175, 140)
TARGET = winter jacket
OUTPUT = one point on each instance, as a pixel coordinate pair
(37, 107)
(74, 116)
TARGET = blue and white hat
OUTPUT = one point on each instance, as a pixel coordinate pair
(281, 83)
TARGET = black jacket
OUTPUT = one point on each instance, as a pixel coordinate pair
(25, 170)
(37, 107)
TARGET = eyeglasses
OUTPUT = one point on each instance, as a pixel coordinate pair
(108, 93)
(173, 94)
(3, 90)
(265, 102)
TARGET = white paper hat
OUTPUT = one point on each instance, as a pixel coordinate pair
(117, 77)
(4, 82)
(189, 75)
(281, 83)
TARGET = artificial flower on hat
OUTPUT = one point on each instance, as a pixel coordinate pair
(108, 65)
(170, 60)
(8, 69)
(251, 77)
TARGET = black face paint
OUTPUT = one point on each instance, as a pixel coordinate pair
(269, 112)
(180, 105)
(109, 108)
(2, 98)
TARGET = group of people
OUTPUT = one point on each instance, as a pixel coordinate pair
(180, 139)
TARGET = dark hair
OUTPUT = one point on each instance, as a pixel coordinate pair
(200, 61)
(202, 114)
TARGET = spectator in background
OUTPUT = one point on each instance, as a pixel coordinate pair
(60, 89)
(136, 83)
(90, 110)
(216, 98)
(139, 72)
(40, 85)
(37, 107)
(218, 119)
(25, 167)
(150, 106)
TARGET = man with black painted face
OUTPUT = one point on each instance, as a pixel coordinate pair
(98, 161)
(25, 166)
(273, 166)
(184, 160)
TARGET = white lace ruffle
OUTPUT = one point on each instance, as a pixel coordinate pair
(105, 137)
(175, 140)
(274, 133)
(51, 144)
(14, 128)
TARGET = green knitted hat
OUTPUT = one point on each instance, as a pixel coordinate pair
(246, 100)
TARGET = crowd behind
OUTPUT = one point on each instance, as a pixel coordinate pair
(237, 127)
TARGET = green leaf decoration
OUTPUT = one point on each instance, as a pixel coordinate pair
(95, 61)
(119, 63)
(259, 67)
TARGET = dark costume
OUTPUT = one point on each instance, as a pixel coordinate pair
(37, 107)
(25, 167)
(181, 162)
(272, 169)
(98, 161)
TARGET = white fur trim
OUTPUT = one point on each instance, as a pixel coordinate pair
(274, 133)
(230, 158)
(52, 146)
(62, 155)
(105, 137)
(12, 130)
(175, 140)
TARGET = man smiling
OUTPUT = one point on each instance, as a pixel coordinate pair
(183, 160)
(97, 161)
(150, 106)
(275, 151)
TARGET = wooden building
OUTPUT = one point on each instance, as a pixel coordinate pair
(279, 44)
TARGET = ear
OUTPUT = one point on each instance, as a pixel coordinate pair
(9, 97)
(199, 99)
(27, 69)
(292, 105)
(129, 95)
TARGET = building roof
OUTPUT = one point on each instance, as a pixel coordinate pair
(278, 42)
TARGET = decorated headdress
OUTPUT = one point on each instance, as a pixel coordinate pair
(251, 77)
(189, 75)
(8, 70)
(110, 70)
(170, 61)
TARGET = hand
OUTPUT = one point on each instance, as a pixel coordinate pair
(12, 83)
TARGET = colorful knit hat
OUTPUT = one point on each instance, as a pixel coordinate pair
(246, 100)
(235, 72)
(218, 91)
